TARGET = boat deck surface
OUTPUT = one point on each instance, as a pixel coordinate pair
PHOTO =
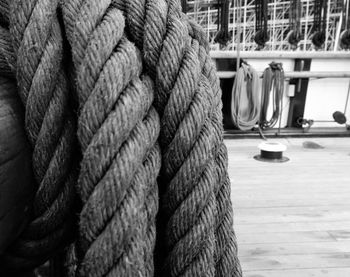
(292, 219)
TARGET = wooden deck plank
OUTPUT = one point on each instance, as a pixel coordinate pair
(293, 248)
(292, 219)
(292, 214)
(297, 261)
(292, 227)
(263, 238)
(304, 272)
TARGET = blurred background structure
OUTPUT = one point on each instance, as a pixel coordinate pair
(305, 16)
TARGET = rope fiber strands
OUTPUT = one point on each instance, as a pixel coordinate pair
(272, 83)
(42, 86)
(191, 141)
(117, 131)
(246, 98)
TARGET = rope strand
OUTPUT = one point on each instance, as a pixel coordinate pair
(37, 45)
(183, 99)
(117, 131)
(226, 259)
(155, 28)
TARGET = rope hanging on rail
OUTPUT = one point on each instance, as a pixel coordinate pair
(345, 35)
(246, 98)
(320, 23)
(223, 35)
(261, 29)
(294, 35)
(37, 60)
(272, 84)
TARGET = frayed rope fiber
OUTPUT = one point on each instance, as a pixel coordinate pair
(42, 86)
(153, 177)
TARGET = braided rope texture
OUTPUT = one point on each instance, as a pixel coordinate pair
(38, 48)
(117, 129)
(196, 206)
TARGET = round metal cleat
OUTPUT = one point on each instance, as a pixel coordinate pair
(271, 152)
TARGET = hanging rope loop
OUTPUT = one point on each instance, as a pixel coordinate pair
(246, 97)
(272, 84)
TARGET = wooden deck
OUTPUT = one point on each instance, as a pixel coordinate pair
(292, 219)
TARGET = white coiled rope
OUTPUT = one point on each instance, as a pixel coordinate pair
(246, 98)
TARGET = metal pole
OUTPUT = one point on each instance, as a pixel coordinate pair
(245, 23)
(274, 26)
(327, 27)
(239, 35)
(233, 25)
(344, 55)
(340, 23)
(306, 23)
(296, 74)
(347, 100)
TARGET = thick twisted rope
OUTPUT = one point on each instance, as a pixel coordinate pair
(37, 45)
(158, 28)
(117, 131)
(226, 259)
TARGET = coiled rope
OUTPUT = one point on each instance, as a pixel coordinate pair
(272, 84)
(246, 98)
(117, 131)
(183, 98)
(38, 50)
